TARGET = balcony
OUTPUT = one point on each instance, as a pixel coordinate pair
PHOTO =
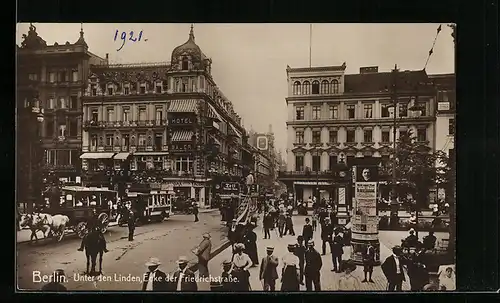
(132, 123)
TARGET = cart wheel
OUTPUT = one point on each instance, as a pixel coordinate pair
(81, 229)
(104, 220)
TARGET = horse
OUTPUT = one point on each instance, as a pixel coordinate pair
(34, 223)
(93, 247)
(57, 224)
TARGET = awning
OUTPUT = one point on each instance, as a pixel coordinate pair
(214, 112)
(235, 130)
(215, 140)
(182, 136)
(97, 156)
(312, 183)
(121, 156)
(151, 153)
(183, 106)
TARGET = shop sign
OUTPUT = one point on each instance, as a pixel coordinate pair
(181, 147)
(230, 186)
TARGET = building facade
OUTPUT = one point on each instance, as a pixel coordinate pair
(166, 123)
(267, 161)
(336, 118)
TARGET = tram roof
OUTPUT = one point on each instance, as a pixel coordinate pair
(87, 189)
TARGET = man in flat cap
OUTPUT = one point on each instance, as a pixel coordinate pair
(154, 279)
(203, 253)
(183, 279)
(268, 273)
(313, 267)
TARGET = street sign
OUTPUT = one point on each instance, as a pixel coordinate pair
(230, 186)
(262, 143)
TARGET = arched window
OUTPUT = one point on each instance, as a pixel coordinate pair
(306, 88)
(315, 87)
(334, 87)
(325, 88)
(296, 88)
(185, 63)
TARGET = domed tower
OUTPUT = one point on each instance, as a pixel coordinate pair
(189, 56)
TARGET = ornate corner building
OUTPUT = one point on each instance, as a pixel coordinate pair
(164, 123)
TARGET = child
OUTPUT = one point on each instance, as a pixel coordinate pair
(314, 221)
(348, 282)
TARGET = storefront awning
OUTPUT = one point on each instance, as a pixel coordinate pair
(97, 156)
(152, 153)
(183, 106)
(216, 141)
(214, 113)
(312, 183)
(235, 130)
(121, 156)
(182, 136)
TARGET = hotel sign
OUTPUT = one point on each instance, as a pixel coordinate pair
(181, 120)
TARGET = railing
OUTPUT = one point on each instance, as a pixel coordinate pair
(135, 123)
(305, 173)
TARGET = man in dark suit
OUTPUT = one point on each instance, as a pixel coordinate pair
(326, 234)
(300, 252)
(307, 231)
(183, 279)
(268, 225)
(154, 279)
(130, 223)
(313, 267)
(393, 270)
(337, 248)
(268, 273)
(368, 262)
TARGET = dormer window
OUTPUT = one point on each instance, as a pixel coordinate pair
(110, 90)
(158, 87)
(94, 90)
(185, 63)
(142, 89)
(126, 89)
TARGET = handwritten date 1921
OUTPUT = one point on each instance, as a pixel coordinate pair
(130, 37)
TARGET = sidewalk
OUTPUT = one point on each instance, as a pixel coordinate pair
(329, 280)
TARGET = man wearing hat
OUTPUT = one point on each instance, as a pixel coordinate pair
(268, 273)
(55, 284)
(290, 273)
(307, 231)
(300, 252)
(203, 253)
(337, 248)
(313, 267)
(183, 279)
(228, 280)
(393, 270)
(326, 234)
(411, 240)
(250, 241)
(154, 279)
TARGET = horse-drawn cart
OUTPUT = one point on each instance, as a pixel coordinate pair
(78, 203)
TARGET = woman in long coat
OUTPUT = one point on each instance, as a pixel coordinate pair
(250, 241)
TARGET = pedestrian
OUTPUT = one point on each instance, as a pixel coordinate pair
(300, 252)
(429, 241)
(411, 240)
(447, 279)
(241, 265)
(268, 273)
(203, 252)
(281, 223)
(289, 225)
(130, 222)
(249, 182)
(368, 262)
(417, 271)
(393, 270)
(326, 235)
(183, 279)
(337, 248)
(227, 279)
(312, 270)
(267, 225)
(307, 231)
(314, 221)
(56, 282)
(348, 282)
(290, 274)
(154, 279)
(250, 241)
(195, 211)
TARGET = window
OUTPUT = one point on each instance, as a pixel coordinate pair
(333, 136)
(33, 77)
(52, 103)
(386, 135)
(421, 135)
(159, 116)
(299, 137)
(142, 114)
(94, 90)
(74, 76)
(110, 91)
(158, 142)
(62, 130)
(62, 76)
(442, 96)
(334, 113)
(299, 163)
(351, 111)
(299, 113)
(73, 128)
(296, 88)
(62, 103)
(109, 140)
(385, 111)
(184, 85)
(158, 163)
(402, 133)
(403, 110)
(306, 88)
(316, 137)
(142, 139)
(142, 89)
(126, 90)
(316, 112)
(74, 102)
(334, 88)
(193, 85)
(332, 161)
(368, 110)
(95, 115)
(316, 163)
(49, 127)
(315, 87)
(126, 140)
(185, 63)
(126, 114)
(351, 136)
(52, 77)
(158, 88)
(110, 115)
(184, 164)
(325, 88)
(367, 136)
(93, 141)
(451, 127)
(62, 157)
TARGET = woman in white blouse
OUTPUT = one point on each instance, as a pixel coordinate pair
(241, 265)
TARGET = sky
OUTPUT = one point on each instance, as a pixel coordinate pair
(249, 60)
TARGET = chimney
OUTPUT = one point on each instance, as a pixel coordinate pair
(107, 58)
(368, 70)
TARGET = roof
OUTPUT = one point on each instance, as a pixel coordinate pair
(381, 82)
(317, 69)
(135, 72)
(189, 47)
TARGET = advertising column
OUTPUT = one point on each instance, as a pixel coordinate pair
(364, 220)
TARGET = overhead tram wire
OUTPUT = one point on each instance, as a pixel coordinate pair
(431, 51)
